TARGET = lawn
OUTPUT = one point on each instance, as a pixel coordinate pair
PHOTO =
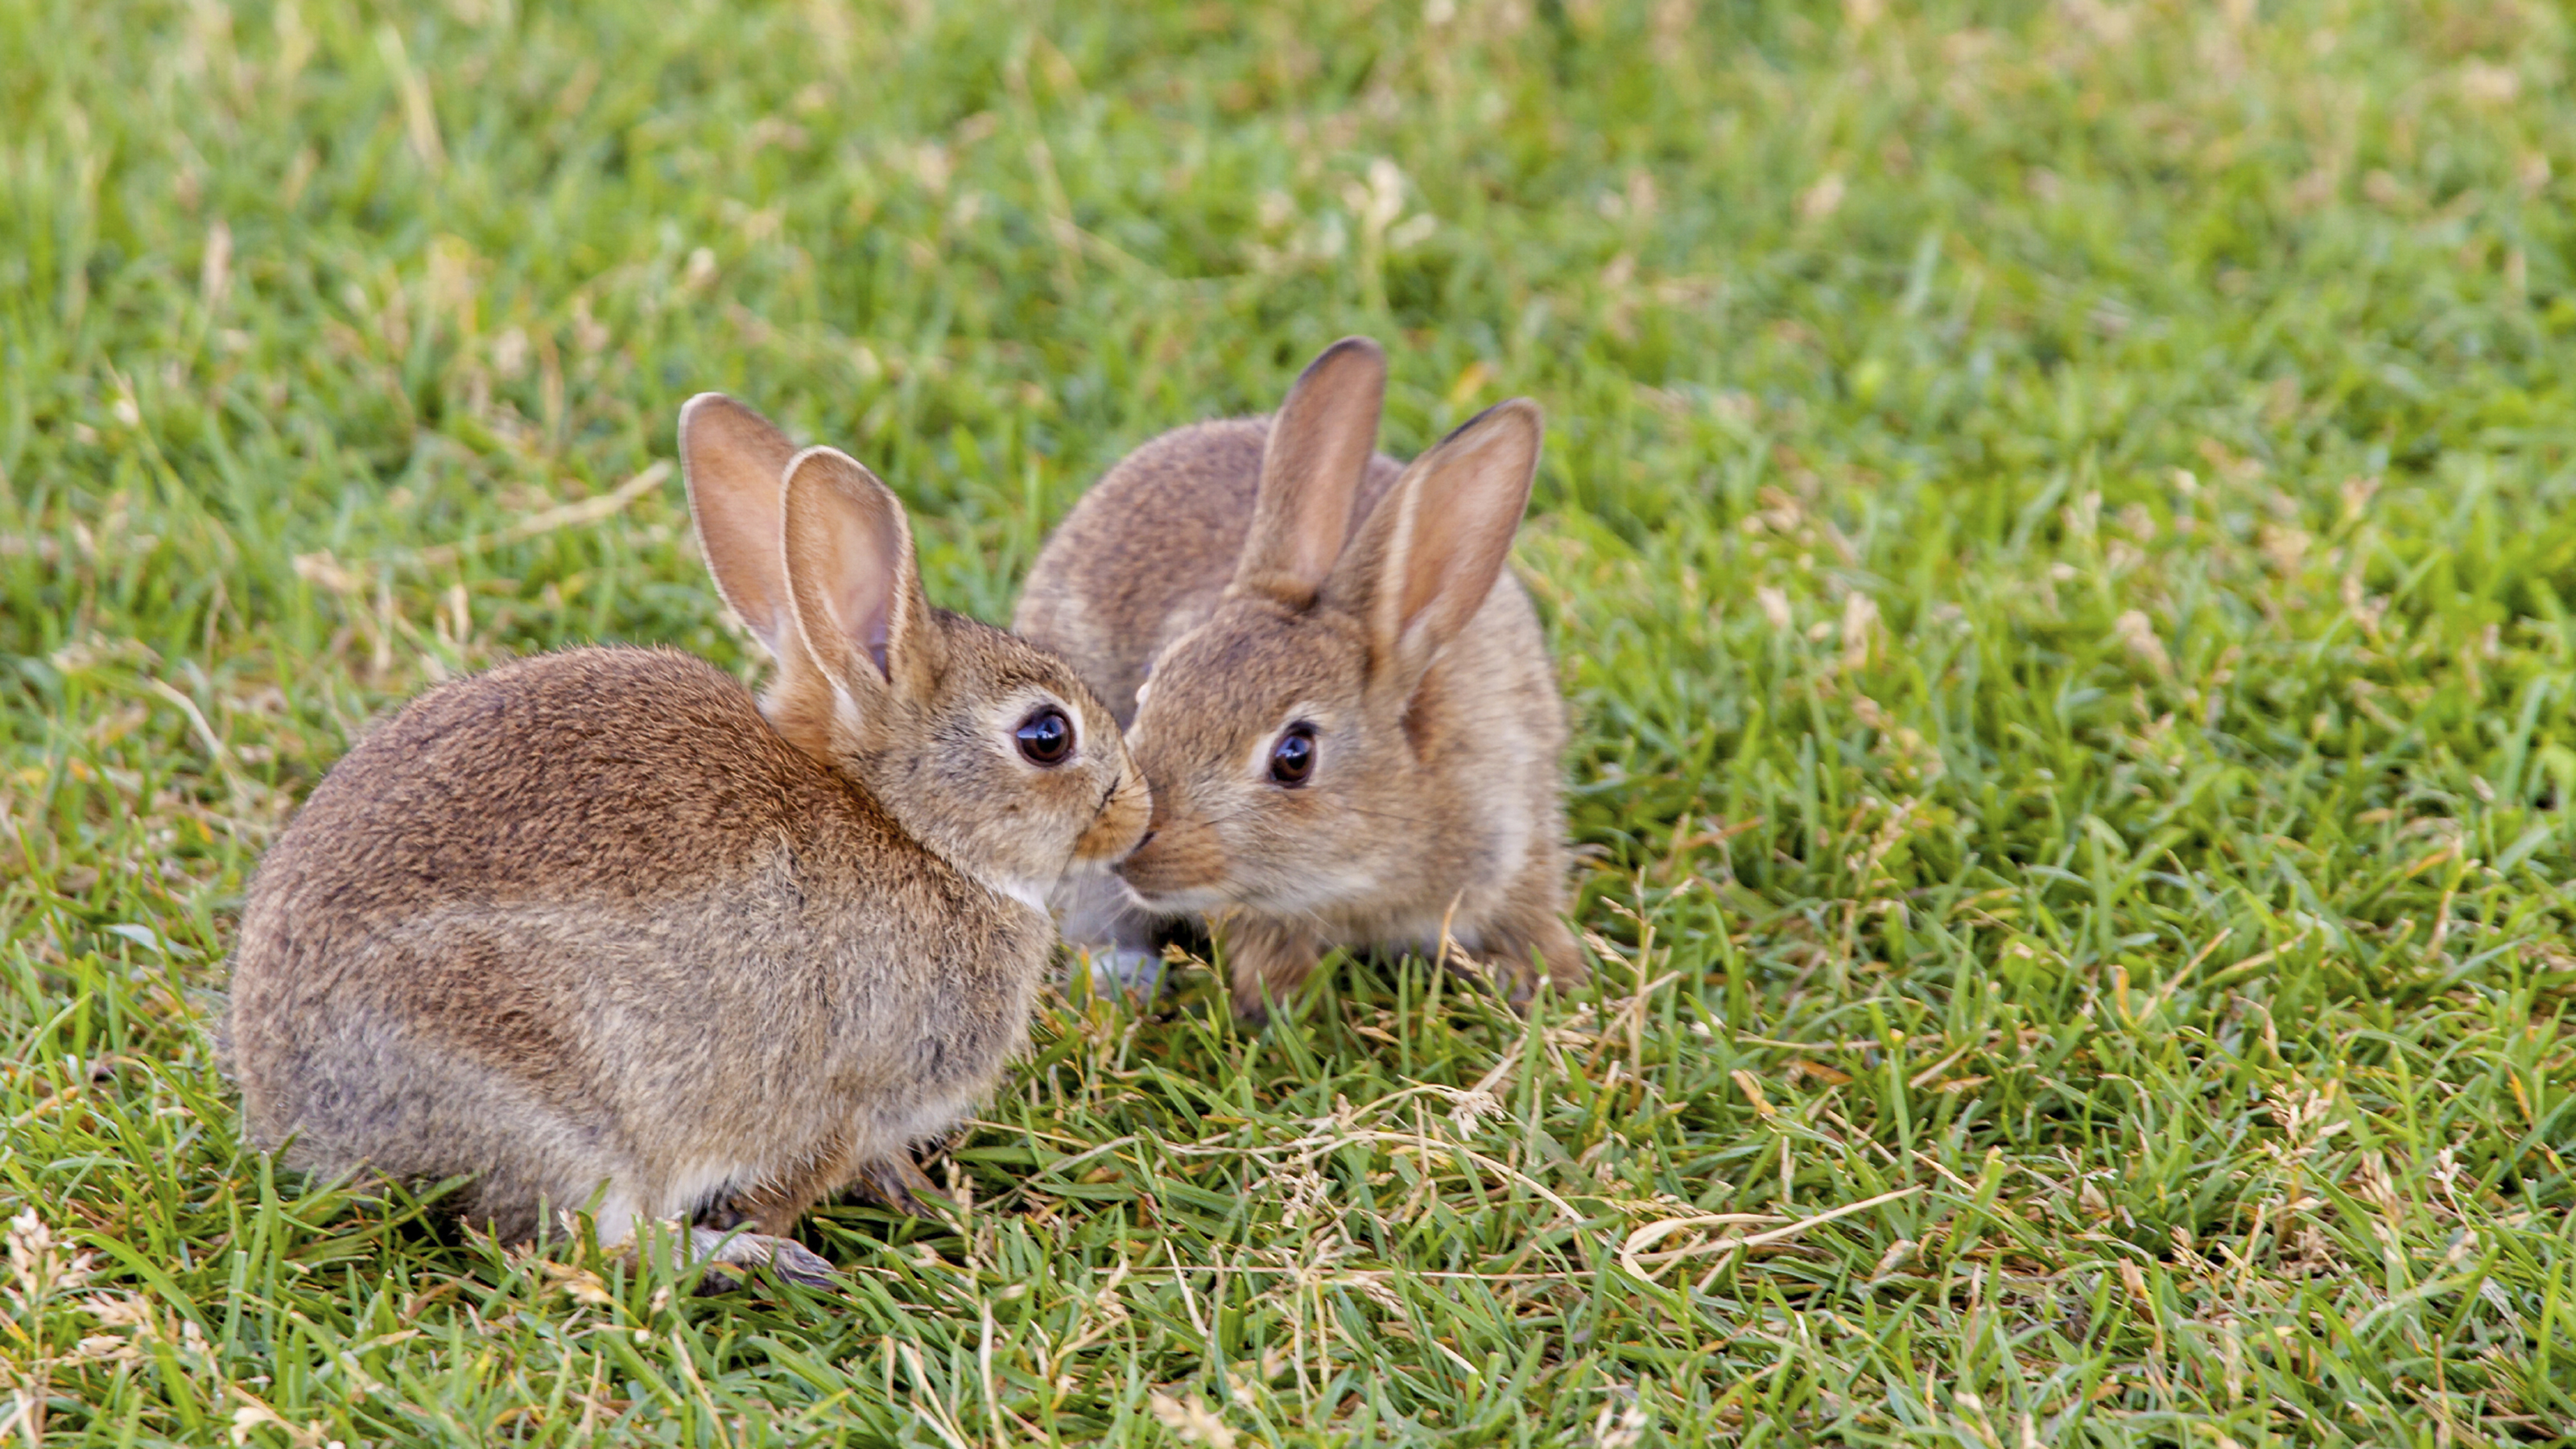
(2058, 527)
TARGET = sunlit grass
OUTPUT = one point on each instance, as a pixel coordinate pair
(2056, 526)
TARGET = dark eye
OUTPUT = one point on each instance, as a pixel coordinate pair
(1293, 758)
(1045, 737)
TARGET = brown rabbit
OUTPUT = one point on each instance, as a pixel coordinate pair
(1338, 693)
(598, 930)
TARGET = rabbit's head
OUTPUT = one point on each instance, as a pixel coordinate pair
(981, 746)
(1286, 738)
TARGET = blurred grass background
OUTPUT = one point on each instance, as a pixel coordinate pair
(2056, 527)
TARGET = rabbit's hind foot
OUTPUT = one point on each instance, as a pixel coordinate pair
(736, 1255)
(899, 1184)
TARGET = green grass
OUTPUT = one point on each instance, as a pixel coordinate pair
(2057, 527)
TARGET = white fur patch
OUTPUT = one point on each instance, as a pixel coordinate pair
(1177, 903)
(620, 1216)
(616, 1218)
(1027, 893)
(697, 1181)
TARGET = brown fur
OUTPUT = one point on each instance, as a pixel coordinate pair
(597, 923)
(1369, 599)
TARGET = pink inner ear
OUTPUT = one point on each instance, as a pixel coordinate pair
(867, 555)
(869, 617)
(1318, 446)
(733, 459)
(846, 551)
(1468, 499)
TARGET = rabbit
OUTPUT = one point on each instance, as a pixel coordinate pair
(1340, 697)
(596, 928)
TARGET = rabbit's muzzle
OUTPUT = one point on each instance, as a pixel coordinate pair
(1119, 827)
(1177, 866)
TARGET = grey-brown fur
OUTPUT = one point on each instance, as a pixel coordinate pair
(1262, 569)
(598, 923)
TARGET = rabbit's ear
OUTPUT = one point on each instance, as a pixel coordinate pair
(735, 462)
(852, 579)
(1320, 445)
(1429, 554)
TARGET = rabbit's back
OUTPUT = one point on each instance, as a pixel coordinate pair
(616, 772)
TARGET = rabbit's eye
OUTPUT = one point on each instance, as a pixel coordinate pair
(1293, 758)
(1045, 737)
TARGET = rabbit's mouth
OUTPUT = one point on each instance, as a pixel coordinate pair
(1175, 869)
(1117, 828)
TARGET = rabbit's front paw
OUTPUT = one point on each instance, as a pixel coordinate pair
(1268, 961)
(1137, 972)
